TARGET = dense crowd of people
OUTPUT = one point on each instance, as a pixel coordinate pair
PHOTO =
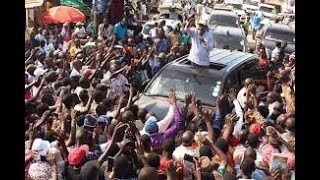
(81, 122)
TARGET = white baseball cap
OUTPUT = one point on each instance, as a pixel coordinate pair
(41, 145)
(39, 72)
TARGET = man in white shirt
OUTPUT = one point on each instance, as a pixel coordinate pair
(241, 97)
(80, 31)
(275, 52)
(186, 148)
(76, 68)
(144, 11)
(202, 43)
(162, 124)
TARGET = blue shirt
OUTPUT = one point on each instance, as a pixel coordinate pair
(120, 31)
(256, 22)
(101, 5)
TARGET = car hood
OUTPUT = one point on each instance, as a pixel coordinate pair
(269, 44)
(157, 105)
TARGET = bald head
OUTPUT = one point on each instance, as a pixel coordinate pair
(281, 120)
(127, 116)
(291, 124)
(248, 81)
(147, 173)
(114, 68)
(243, 134)
(250, 152)
(187, 138)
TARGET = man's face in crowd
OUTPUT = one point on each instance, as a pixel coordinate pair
(123, 22)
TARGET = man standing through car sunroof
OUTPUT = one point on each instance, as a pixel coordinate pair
(201, 43)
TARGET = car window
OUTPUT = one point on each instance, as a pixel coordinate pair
(233, 42)
(147, 28)
(252, 70)
(266, 9)
(222, 20)
(207, 88)
(237, 6)
(232, 81)
(276, 35)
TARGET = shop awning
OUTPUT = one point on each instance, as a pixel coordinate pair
(32, 3)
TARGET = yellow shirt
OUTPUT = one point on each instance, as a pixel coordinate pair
(289, 98)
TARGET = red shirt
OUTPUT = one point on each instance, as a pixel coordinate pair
(163, 167)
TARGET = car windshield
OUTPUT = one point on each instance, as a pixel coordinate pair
(222, 20)
(206, 87)
(233, 42)
(147, 28)
(237, 6)
(266, 9)
(278, 35)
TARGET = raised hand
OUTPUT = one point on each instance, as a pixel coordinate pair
(188, 99)
(172, 97)
(207, 113)
(233, 93)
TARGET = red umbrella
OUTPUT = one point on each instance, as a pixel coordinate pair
(62, 14)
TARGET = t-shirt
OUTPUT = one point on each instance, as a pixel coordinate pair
(144, 9)
(120, 31)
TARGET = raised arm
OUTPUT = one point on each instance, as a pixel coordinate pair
(112, 142)
(233, 95)
(207, 113)
(178, 122)
(72, 137)
(230, 121)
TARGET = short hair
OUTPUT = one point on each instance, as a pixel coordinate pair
(41, 108)
(223, 145)
(121, 165)
(153, 160)
(168, 145)
(247, 166)
(142, 113)
(83, 95)
(101, 109)
(253, 140)
(264, 110)
(206, 151)
(90, 170)
(47, 98)
(146, 141)
(98, 95)
(278, 44)
(243, 135)
(80, 120)
(148, 173)
(84, 82)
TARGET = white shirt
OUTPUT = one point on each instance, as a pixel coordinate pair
(178, 155)
(144, 9)
(199, 52)
(164, 123)
(166, 30)
(275, 53)
(74, 72)
(153, 32)
(241, 97)
(240, 122)
(81, 32)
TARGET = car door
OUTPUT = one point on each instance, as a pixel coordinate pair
(252, 70)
